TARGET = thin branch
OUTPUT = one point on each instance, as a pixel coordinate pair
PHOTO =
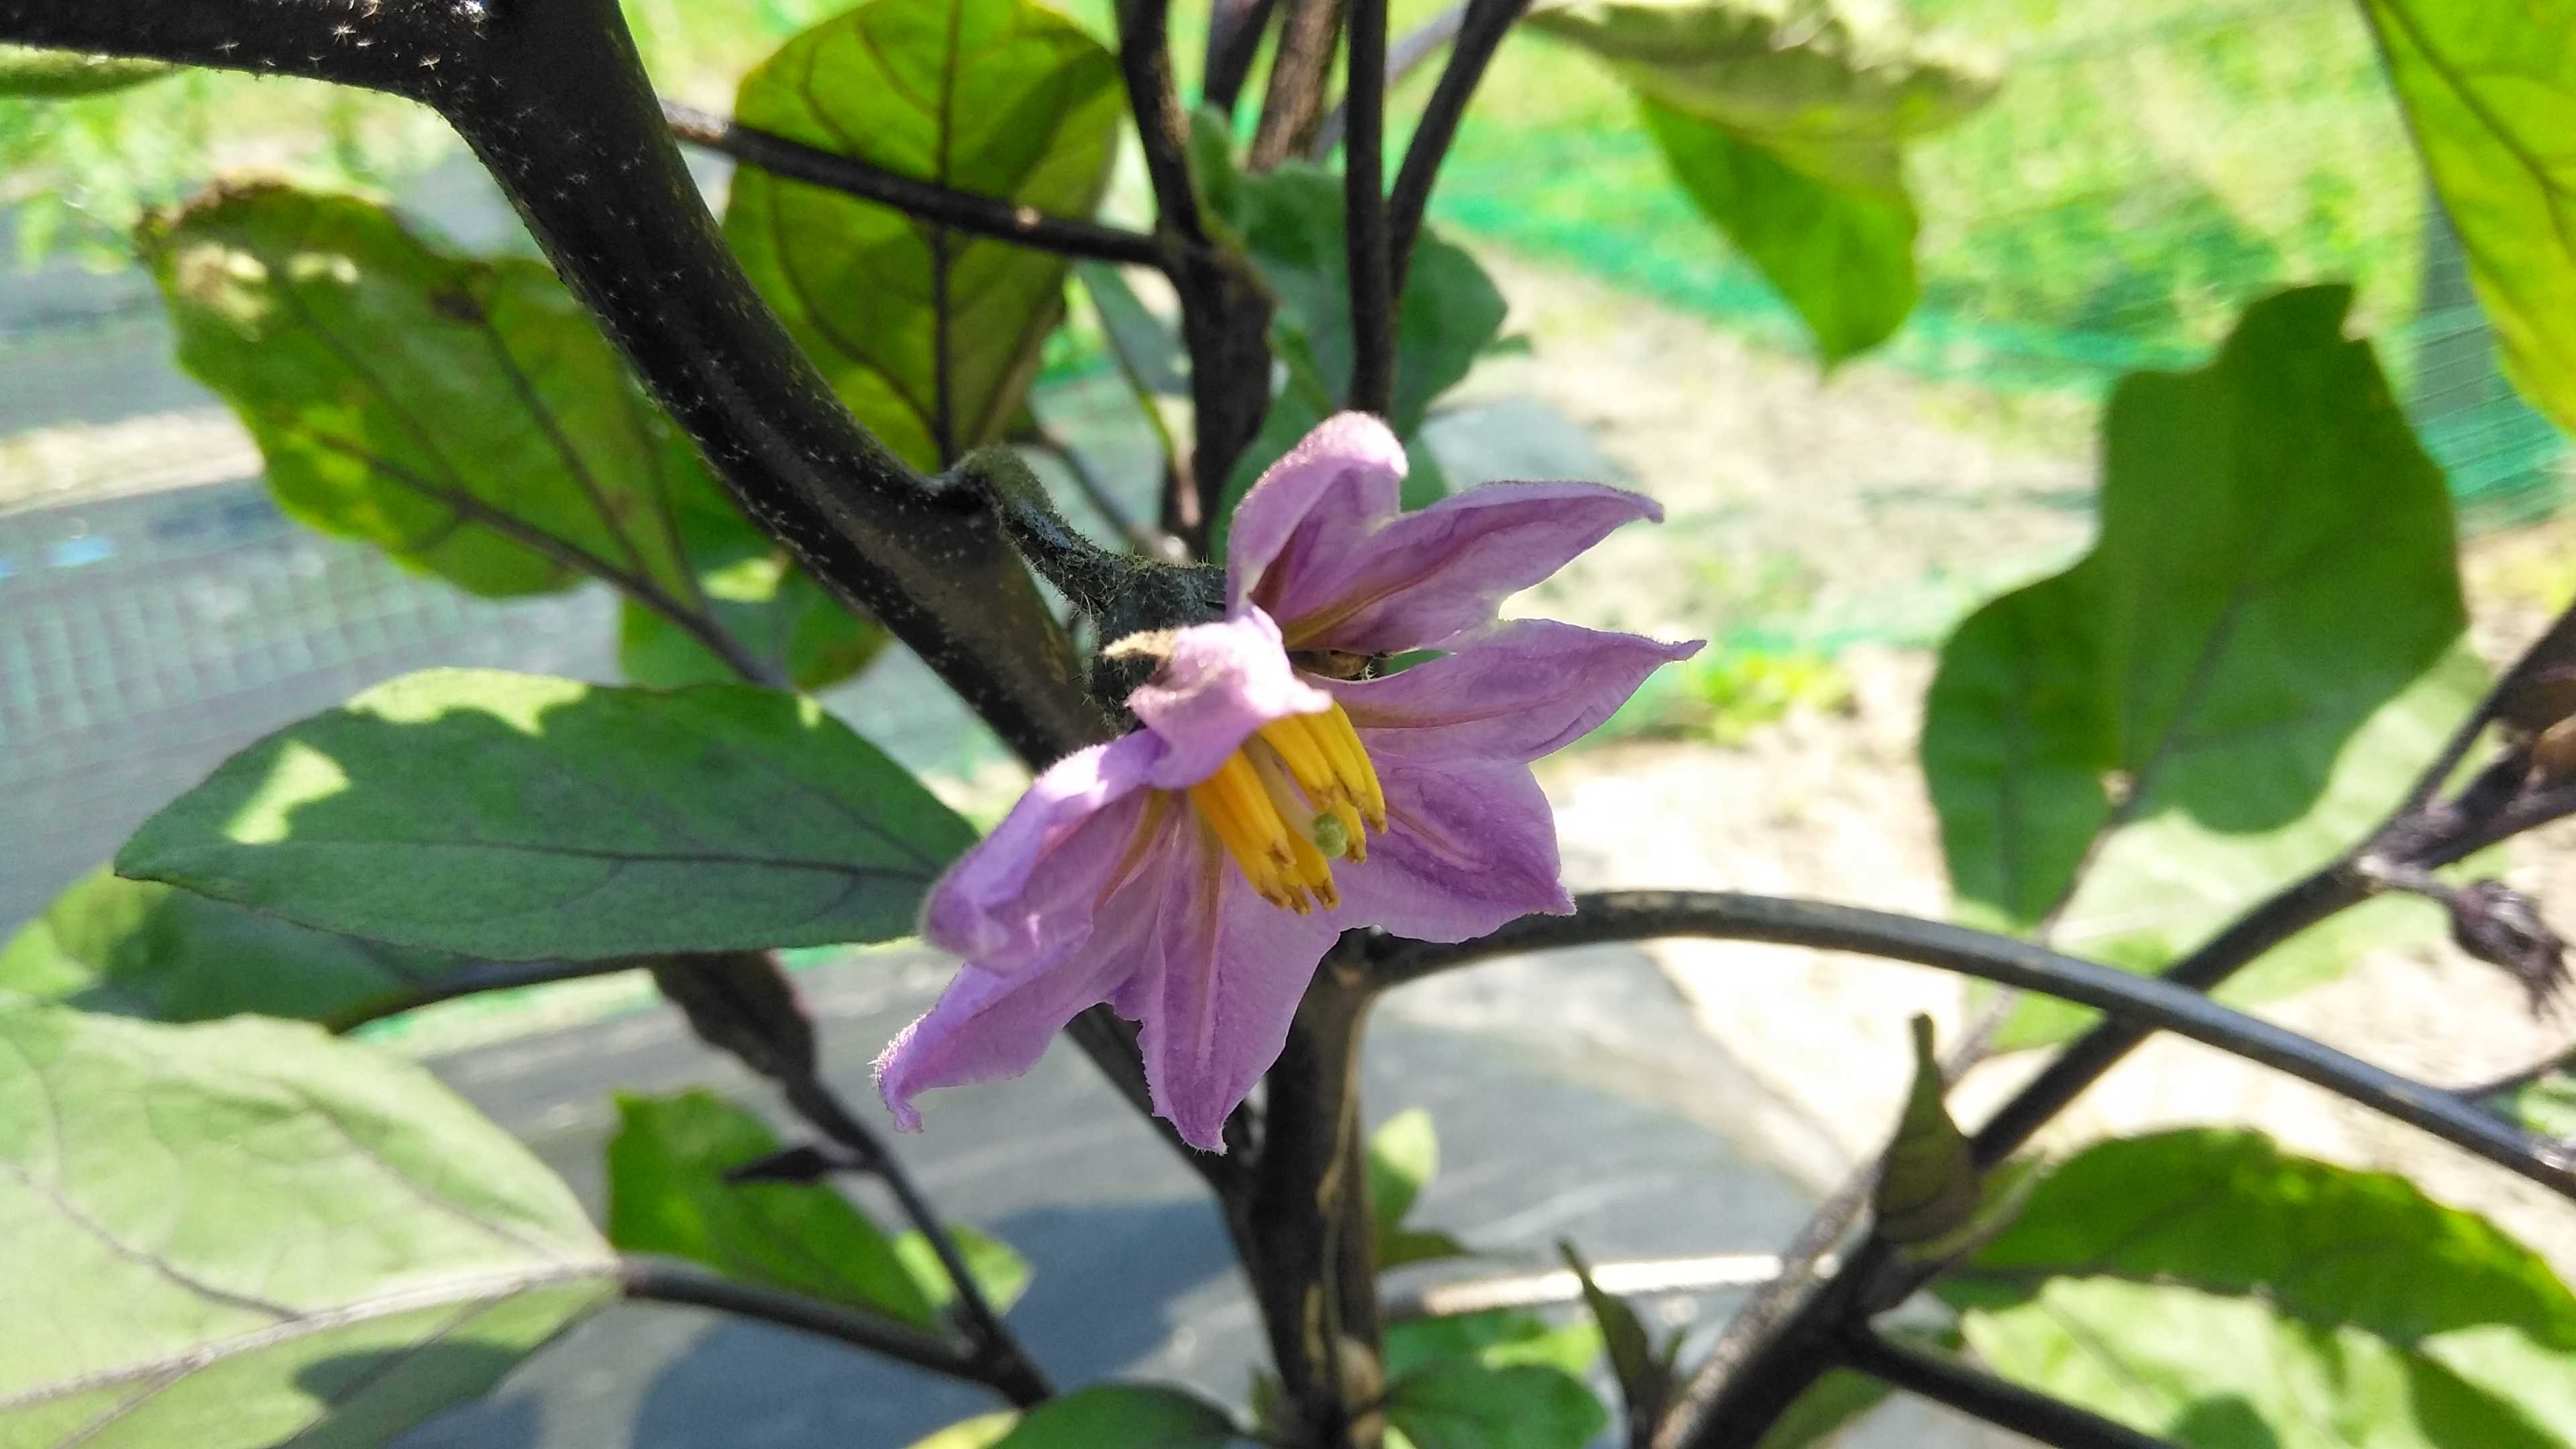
(1633, 1278)
(1403, 58)
(2562, 1060)
(1162, 129)
(663, 1280)
(998, 1357)
(1235, 28)
(1983, 1396)
(1364, 215)
(1480, 33)
(967, 211)
(2139, 1004)
(1294, 104)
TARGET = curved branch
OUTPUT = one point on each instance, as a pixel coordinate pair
(1480, 34)
(664, 1280)
(2138, 1003)
(967, 211)
(1983, 1396)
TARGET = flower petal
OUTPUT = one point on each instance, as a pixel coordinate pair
(1223, 681)
(1468, 846)
(1425, 577)
(1226, 984)
(1335, 487)
(989, 1025)
(1029, 889)
(1527, 688)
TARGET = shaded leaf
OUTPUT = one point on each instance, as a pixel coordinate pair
(930, 336)
(2490, 91)
(139, 948)
(244, 1233)
(464, 415)
(1832, 1404)
(1460, 1403)
(1927, 1185)
(760, 597)
(996, 1266)
(2235, 683)
(1407, 1246)
(1645, 1377)
(518, 817)
(1500, 1338)
(1147, 348)
(667, 1194)
(59, 74)
(1129, 1416)
(1784, 121)
(2206, 1287)
(741, 1003)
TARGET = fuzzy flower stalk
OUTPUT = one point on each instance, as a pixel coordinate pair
(1279, 790)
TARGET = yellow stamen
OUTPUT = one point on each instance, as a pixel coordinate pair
(1238, 809)
(1332, 729)
(1309, 868)
(1295, 796)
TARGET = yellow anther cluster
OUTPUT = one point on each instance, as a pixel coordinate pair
(1296, 794)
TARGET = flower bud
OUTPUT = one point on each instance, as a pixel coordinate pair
(2501, 926)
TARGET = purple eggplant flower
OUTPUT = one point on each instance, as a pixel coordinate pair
(1191, 874)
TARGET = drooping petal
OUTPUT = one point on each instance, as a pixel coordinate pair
(1029, 889)
(1527, 688)
(1222, 681)
(1468, 846)
(1224, 985)
(1341, 483)
(1427, 576)
(989, 1026)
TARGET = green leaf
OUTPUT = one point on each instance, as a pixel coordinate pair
(1403, 1157)
(137, 948)
(233, 1235)
(1147, 348)
(1407, 1246)
(1645, 1377)
(930, 336)
(1927, 1187)
(517, 817)
(1499, 1338)
(2234, 684)
(26, 70)
(2205, 1287)
(1829, 1406)
(464, 415)
(996, 1266)
(1128, 1416)
(1784, 121)
(1461, 1403)
(2490, 91)
(760, 597)
(667, 1194)
(2546, 1106)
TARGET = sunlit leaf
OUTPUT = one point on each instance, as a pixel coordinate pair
(667, 1194)
(2209, 1289)
(138, 948)
(1460, 1403)
(1785, 122)
(761, 598)
(1501, 1338)
(517, 817)
(243, 1234)
(58, 74)
(931, 336)
(999, 1271)
(2231, 687)
(2490, 90)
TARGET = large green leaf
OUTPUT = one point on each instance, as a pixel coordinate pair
(60, 74)
(1460, 1403)
(2207, 1288)
(1498, 1338)
(931, 336)
(466, 416)
(2490, 90)
(2235, 683)
(517, 817)
(248, 1233)
(1784, 120)
(999, 1271)
(667, 1194)
(139, 948)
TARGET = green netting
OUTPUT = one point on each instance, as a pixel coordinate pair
(2143, 172)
